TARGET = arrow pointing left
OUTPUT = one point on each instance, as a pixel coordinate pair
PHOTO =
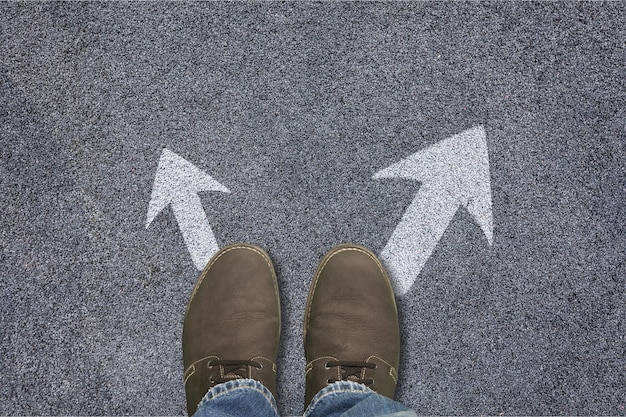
(178, 182)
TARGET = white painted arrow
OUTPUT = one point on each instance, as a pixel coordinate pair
(454, 172)
(178, 182)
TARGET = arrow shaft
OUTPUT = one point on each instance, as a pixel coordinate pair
(195, 228)
(414, 239)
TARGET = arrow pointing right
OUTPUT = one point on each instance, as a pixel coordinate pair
(454, 172)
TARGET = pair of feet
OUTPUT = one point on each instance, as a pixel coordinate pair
(232, 323)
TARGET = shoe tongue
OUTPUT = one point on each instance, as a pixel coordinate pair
(351, 373)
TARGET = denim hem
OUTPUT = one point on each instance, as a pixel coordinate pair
(336, 388)
(242, 384)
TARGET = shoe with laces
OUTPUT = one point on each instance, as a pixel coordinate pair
(351, 329)
(232, 324)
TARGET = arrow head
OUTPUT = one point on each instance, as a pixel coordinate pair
(458, 165)
(175, 180)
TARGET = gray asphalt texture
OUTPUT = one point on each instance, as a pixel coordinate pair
(293, 107)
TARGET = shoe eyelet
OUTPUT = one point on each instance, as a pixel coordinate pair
(330, 381)
(326, 365)
(260, 367)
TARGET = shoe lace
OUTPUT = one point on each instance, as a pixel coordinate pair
(233, 369)
(351, 371)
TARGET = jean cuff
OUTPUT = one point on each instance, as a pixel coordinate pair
(241, 385)
(336, 388)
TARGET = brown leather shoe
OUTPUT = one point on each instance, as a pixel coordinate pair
(351, 329)
(232, 324)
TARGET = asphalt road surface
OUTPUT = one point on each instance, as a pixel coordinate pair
(478, 147)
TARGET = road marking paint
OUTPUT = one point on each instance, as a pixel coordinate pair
(454, 173)
(178, 182)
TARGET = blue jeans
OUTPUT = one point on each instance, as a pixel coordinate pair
(249, 398)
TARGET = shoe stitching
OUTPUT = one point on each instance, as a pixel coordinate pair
(194, 367)
(267, 359)
(327, 258)
(309, 366)
(391, 374)
(193, 371)
(392, 369)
